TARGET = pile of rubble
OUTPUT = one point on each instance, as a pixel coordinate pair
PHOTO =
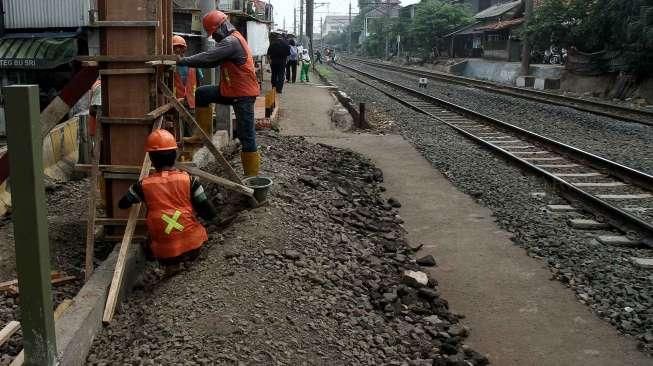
(321, 275)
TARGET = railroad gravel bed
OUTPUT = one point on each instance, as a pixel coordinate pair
(603, 277)
(628, 143)
(317, 277)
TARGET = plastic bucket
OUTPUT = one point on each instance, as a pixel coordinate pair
(260, 185)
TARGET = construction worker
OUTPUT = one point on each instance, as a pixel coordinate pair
(172, 198)
(186, 78)
(239, 85)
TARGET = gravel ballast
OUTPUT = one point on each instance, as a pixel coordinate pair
(603, 277)
(322, 275)
(627, 143)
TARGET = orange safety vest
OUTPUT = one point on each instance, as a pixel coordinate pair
(187, 91)
(239, 80)
(92, 120)
(171, 222)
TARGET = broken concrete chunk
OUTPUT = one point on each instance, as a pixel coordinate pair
(415, 279)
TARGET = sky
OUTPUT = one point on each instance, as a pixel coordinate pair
(285, 9)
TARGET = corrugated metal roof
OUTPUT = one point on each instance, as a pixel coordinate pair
(46, 14)
(185, 4)
(502, 24)
(497, 10)
(36, 52)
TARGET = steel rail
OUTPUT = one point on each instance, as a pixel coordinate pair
(611, 110)
(615, 216)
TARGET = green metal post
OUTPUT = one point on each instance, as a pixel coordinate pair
(30, 223)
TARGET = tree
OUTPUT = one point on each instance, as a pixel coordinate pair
(624, 27)
(433, 19)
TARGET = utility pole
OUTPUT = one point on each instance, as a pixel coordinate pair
(321, 33)
(309, 26)
(349, 42)
(294, 24)
(526, 46)
(301, 21)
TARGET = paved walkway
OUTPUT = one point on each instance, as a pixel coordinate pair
(517, 315)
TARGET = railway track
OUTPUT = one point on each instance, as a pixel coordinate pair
(615, 194)
(611, 110)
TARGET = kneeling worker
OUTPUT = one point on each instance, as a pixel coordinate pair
(239, 86)
(172, 198)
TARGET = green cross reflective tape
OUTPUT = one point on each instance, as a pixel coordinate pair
(172, 222)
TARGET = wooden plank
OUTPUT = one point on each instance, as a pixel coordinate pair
(217, 180)
(116, 222)
(116, 282)
(124, 23)
(126, 120)
(160, 111)
(138, 71)
(9, 330)
(162, 63)
(126, 58)
(93, 192)
(111, 168)
(186, 116)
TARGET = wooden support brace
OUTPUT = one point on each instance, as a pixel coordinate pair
(124, 23)
(126, 120)
(126, 58)
(116, 282)
(139, 71)
(186, 116)
(9, 330)
(90, 227)
(160, 111)
(217, 180)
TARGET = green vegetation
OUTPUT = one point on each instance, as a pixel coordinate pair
(624, 27)
(419, 35)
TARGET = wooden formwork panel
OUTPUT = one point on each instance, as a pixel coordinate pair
(130, 95)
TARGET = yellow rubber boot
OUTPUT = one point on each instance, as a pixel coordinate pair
(204, 118)
(251, 163)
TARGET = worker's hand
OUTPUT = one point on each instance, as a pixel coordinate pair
(179, 57)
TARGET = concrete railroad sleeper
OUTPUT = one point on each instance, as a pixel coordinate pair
(551, 167)
(611, 110)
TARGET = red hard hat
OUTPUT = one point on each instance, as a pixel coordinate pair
(213, 20)
(179, 41)
(160, 140)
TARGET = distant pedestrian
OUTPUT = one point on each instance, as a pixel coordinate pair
(278, 53)
(291, 65)
(306, 65)
(318, 57)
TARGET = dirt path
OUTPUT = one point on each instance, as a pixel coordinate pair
(517, 315)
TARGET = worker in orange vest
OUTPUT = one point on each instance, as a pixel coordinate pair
(239, 85)
(186, 78)
(172, 198)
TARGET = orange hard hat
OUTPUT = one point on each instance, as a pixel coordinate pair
(179, 41)
(213, 20)
(160, 140)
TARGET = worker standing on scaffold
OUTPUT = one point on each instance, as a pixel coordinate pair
(239, 86)
(173, 199)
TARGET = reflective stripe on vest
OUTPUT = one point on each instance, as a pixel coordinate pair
(171, 222)
(239, 80)
(187, 90)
